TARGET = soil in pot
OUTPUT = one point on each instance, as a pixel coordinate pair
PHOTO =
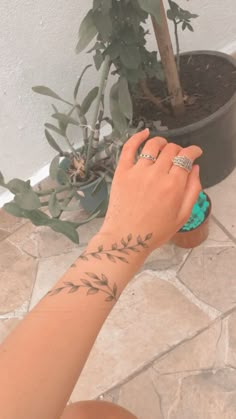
(208, 83)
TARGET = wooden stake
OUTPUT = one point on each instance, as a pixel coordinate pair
(168, 61)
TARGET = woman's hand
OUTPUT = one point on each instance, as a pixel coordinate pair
(152, 197)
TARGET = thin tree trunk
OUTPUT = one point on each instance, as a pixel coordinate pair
(152, 98)
(168, 61)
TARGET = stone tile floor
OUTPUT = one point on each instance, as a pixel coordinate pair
(170, 342)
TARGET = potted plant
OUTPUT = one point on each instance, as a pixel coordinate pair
(196, 230)
(191, 96)
(80, 173)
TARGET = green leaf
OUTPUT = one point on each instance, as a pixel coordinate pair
(170, 15)
(62, 177)
(130, 57)
(113, 50)
(37, 217)
(125, 101)
(98, 59)
(152, 7)
(65, 119)
(103, 24)
(87, 32)
(28, 200)
(54, 166)
(87, 220)
(54, 206)
(55, 129)
(43, 90)
(2, 182)
(65, 227)
(87, 102)
(105, 6)
(52, 142)
(190, 28)
(13, 209)
(18, 186)
(118, 117)
(80, 80)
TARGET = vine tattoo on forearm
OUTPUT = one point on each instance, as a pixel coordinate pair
(125, 247)
(95, 283)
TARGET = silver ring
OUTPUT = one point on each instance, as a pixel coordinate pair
(183, 162)
(148, 157)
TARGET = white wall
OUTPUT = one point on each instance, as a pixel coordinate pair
(37, 41)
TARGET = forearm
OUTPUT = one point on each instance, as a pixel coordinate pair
(43, 358)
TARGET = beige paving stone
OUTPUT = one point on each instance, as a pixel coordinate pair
(3, 234)
(17, 276)
(49, 271)
(168, 257)
(209, 273)
(50, 243)
(150, 317)
(25, 239)
(6, 327)
(216, 237)
(198, 353)
(10, 223)
(231, 356)
(140, 397)
(44, 242)
(224, 202)
(207, 395)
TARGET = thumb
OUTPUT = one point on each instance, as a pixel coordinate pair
(192, 191)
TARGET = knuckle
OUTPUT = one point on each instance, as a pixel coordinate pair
(161, 140)
(172, 147)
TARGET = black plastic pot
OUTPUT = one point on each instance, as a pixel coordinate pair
(216, 135)
(95, 196)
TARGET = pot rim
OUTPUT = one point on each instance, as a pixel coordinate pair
(211, 118)
(205, 219)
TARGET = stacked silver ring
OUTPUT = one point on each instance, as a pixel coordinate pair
(183, 162)
(148, 157)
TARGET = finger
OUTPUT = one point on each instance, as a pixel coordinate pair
(151, 148)
(192, 153)
(164, 161)
(192, 191)
(130, 149)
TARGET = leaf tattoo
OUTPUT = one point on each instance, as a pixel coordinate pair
(94, 285)
(125, 248)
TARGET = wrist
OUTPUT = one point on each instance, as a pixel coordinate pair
(125, 248)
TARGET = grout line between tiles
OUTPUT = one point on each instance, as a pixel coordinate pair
(166, 352)
(224, 229)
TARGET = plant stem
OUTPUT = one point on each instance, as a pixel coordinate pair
(152, 98)
(71, 147)
(168, 61)
(176, 41)
(104, 77)
(50, 191)
(177, 46)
